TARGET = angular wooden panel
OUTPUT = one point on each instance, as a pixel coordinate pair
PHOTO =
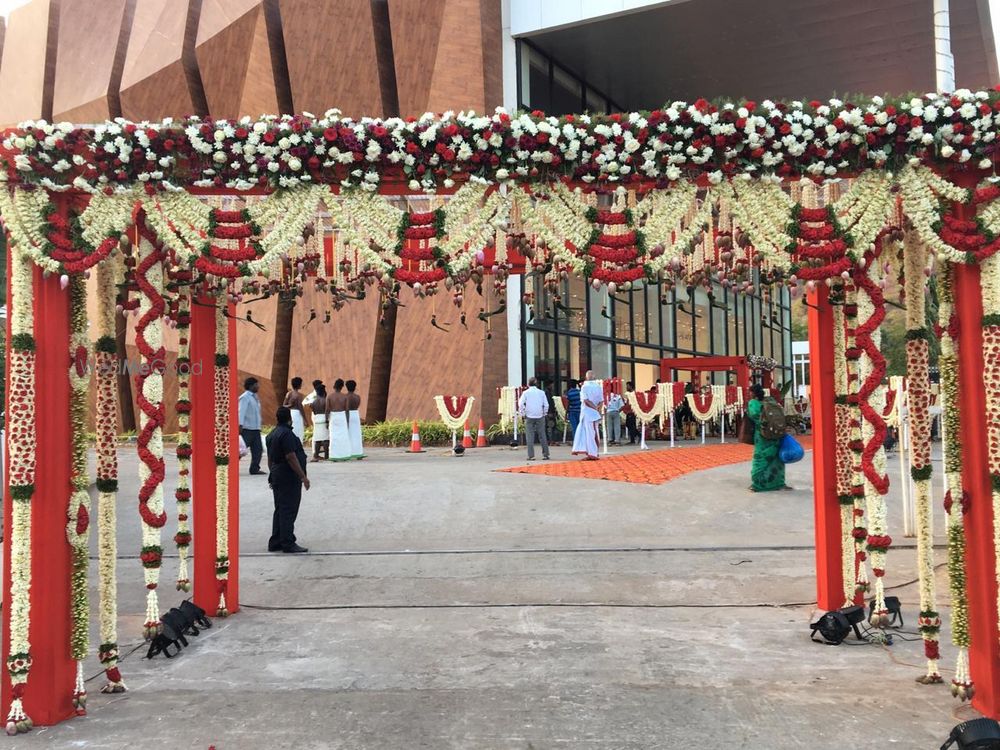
(234, 58)
(88, 39)
(22, 70)
(330, 49)
(154, 84)
(428, 362)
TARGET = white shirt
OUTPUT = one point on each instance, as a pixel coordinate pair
(534, 404)
(615, 402)
(593, 392)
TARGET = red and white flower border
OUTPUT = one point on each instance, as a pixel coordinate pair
(183, 491)
(455, 415)
(222, 414)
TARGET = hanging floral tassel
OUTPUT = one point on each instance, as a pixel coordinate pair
(842, 422)
(106, 425)
(990, 284)
(859, 530)
(183, 492)
(78, 512)
(871, 399)
(21, 476)
(222, 456)
(955, 500)
(149, 341)
(918, 406)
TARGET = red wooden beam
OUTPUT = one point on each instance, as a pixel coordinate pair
(829, 575)
(202, 332)
(233, 586)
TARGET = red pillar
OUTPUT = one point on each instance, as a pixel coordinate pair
(233, 587)
(49, 696)
(829, 576)
(980, 561)
(202, 334)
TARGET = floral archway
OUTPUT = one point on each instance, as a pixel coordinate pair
(830, 198)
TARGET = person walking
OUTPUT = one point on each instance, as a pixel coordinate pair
(573, 405)
(767, 472)
(250, 422)
(534, 406)
(286, 464)
(614, 411)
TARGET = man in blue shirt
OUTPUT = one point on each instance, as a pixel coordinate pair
(250, 422)
(573, 405)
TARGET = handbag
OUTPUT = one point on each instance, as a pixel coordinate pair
(746, 430)
(790, 451)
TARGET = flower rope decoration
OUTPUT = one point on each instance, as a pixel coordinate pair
(708, 405)
(455, 410)
(78, 512)
(21, 476)
(918, 385)
(857, 488)
(507, 397)
(149, 382)
(842, 422)
(183, 492)
(646, 405)
(990, 284)
(871, 400)
(222, 412)
(955, 499)
(106, 425)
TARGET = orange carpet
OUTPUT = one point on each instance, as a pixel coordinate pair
(650, 467)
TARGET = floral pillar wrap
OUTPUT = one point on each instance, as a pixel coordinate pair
(78, 512)
(990, 283)
(149, 341)
(21, 476)
(859, 530)
(955, 499)
(842, 423)
(871, 399)
(183, 492)
(106, 424)
(919, 401)
(221, 456)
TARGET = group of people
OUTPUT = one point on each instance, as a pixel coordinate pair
(336, 422)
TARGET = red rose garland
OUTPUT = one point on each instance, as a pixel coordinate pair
(859, 529)
(149, 381)
(183, 492)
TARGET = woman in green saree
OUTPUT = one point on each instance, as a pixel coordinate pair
(767, 472)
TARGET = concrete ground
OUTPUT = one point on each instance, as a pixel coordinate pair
(445, 605)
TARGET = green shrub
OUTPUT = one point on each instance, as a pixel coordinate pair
(396, 433)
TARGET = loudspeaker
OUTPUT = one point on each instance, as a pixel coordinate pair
(835, 626)
(977, 734)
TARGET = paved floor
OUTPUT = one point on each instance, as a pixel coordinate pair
(448, 605)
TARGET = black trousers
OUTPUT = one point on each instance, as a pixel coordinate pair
(252, 439)
(287, 497)
(632, 427)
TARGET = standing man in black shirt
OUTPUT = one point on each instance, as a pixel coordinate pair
(286, 463)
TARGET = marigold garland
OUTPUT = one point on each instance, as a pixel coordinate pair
(222, 412)
(954, 502)
(21, 477)
(149, 342)
(106, 425)
(78, 512)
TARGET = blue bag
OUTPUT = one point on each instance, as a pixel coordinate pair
(790, 451)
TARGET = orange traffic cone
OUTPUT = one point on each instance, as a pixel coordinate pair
(467, 436)
(415, 446)
(481, 435)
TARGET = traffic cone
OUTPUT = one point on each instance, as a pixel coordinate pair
(415, 446)
(481, 435)
(466, 436)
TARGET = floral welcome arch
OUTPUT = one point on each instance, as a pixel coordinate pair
(180, 219)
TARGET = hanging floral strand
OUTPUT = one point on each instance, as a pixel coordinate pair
(21, 478)
(852, 356)
(106, 424)
(842, 422)
(871, 399)
(183, 492)
(918, 407)
(78, 512)
(955, 500)
(149, 341)
(990, 283)
(222, 455)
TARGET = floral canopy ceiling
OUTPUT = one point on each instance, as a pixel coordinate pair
(690, 192)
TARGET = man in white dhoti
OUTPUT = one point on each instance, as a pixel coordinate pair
(336, 418)
(316, 401)
(591, 403)
(354, 421)
(293, 400)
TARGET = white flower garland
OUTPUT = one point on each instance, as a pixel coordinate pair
(714, 407)
(454, 423)
(664, 224)
(920, 189)
(24, 217)
(865, 209)
(642, 415)
(21, 476)
(222, 439)
(842, 414)
(507, 406)
(183, 491)
(764, 211)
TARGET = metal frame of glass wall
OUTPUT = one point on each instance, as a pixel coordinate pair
(628, 333)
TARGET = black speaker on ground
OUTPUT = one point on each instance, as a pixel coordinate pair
(174, 626)
(977, 734)
(895, 610)
(834, 627)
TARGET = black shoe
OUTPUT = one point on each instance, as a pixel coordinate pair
(258, 472)
(294, 549)
(545, 458)
(274, 548)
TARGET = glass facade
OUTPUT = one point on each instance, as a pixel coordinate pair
(626, 334)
